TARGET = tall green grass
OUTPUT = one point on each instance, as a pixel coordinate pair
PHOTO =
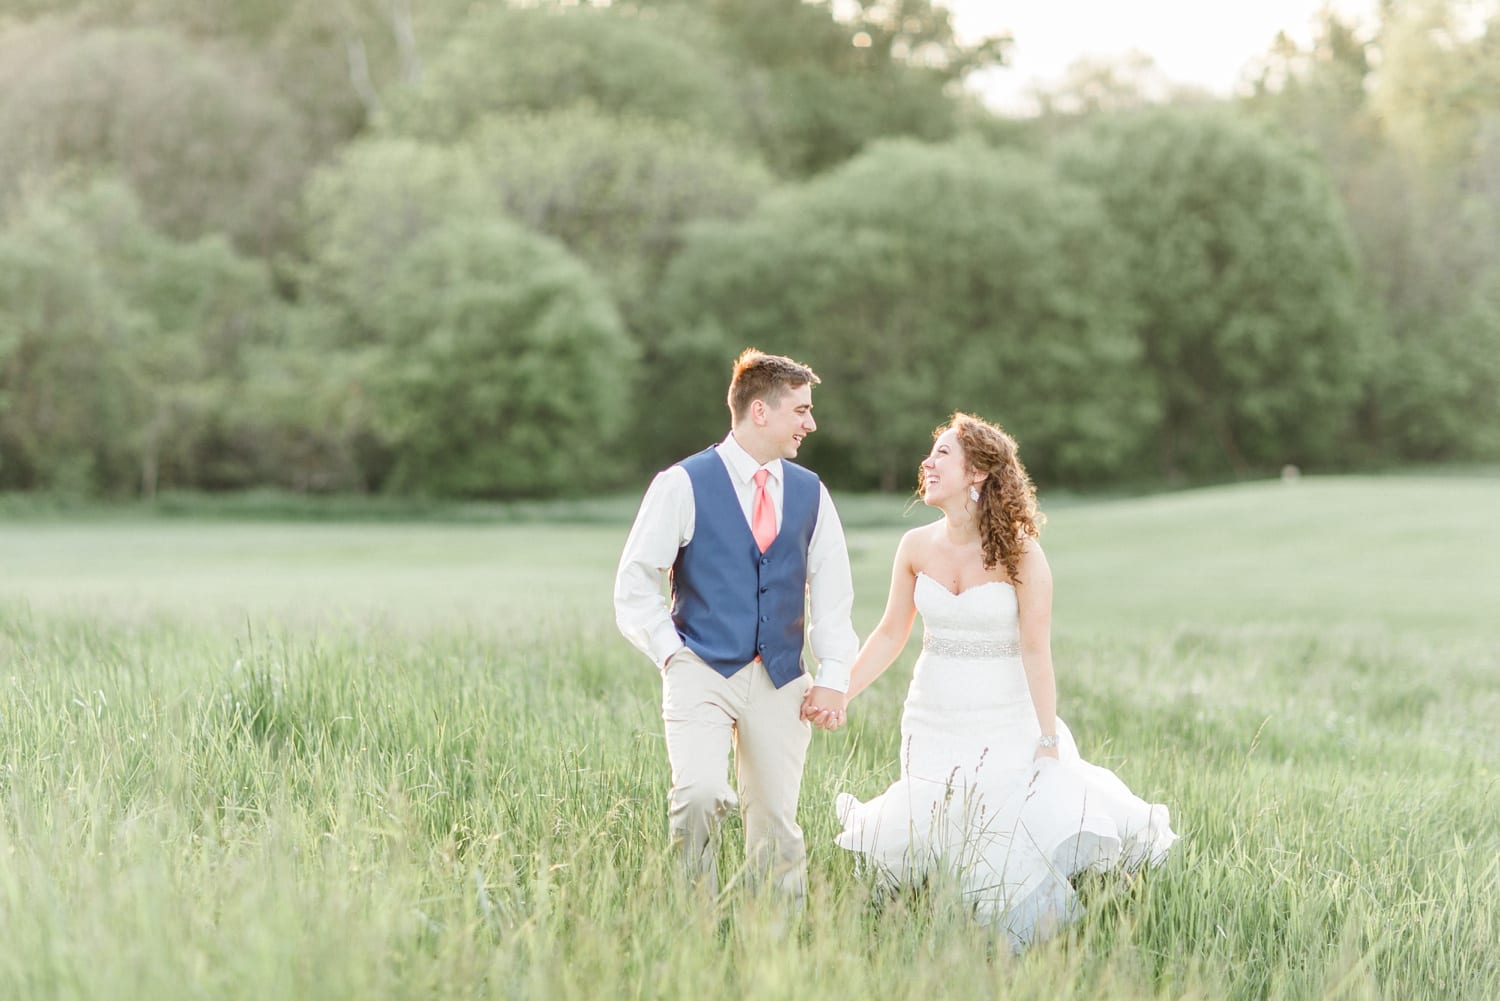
(260, 759)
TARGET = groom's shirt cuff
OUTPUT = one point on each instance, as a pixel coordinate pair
(832, 674)
(664, 644)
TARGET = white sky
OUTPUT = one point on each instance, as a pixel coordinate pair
(1203, 42)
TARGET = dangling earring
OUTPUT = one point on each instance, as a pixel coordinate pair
(974, 494)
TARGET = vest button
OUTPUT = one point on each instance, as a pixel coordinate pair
(765, 618)
(765, 561)
(764, 590)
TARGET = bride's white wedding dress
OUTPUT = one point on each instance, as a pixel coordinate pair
(971, 803)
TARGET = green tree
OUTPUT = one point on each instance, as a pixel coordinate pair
(209, 311)
(200, 136)
(618, 193)
(305, 417)
(364, 210)
(619, 60)
(1321, 95)
(334, 63)
(65, 334)
(820, 84)
(503, 366)
(121, 345)
(1439, 78)
(918, 280)
(465, 355)
(1437, 394)
(1425, 217)
(1247, 285)
(361, 214)
(1437, 97)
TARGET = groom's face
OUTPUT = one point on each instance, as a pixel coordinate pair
(789, 419)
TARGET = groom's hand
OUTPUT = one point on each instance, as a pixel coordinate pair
(824, 708)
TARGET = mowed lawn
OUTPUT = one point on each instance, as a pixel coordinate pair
(362, 759)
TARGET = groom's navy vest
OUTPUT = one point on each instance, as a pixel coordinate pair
(731, 602)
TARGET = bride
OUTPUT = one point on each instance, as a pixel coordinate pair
(992, 793)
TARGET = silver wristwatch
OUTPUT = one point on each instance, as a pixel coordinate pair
(1049, 740)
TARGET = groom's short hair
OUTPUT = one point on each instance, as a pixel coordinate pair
(759, 376)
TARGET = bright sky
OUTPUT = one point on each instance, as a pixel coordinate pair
(1203, 42)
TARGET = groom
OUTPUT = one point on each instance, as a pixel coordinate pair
(749, 541)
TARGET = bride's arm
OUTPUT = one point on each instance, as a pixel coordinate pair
(882, 645)
(1034, 594)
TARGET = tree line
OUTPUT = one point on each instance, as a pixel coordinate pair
(500, 251)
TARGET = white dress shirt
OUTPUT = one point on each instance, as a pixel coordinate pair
(665, 524)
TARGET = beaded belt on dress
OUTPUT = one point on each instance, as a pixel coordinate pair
(953, 646)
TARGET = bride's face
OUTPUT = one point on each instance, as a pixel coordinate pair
(945, 474)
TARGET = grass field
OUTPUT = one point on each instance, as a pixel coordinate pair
(374, 759)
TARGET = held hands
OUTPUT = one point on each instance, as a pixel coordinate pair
(824, 708)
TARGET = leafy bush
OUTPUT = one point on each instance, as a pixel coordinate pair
(917, 280)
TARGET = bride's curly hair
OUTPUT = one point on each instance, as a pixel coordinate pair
(1006, 510)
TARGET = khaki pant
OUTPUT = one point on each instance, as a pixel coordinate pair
(705, 714)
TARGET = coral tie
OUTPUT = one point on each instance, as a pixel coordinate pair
(763, 520)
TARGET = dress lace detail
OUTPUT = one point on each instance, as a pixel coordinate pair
(972, 803)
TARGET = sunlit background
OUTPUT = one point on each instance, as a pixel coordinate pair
(1209, 46)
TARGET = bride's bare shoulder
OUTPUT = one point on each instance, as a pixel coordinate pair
(920, 538)
(912, 551)
(1032, 562)
(922, 532)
